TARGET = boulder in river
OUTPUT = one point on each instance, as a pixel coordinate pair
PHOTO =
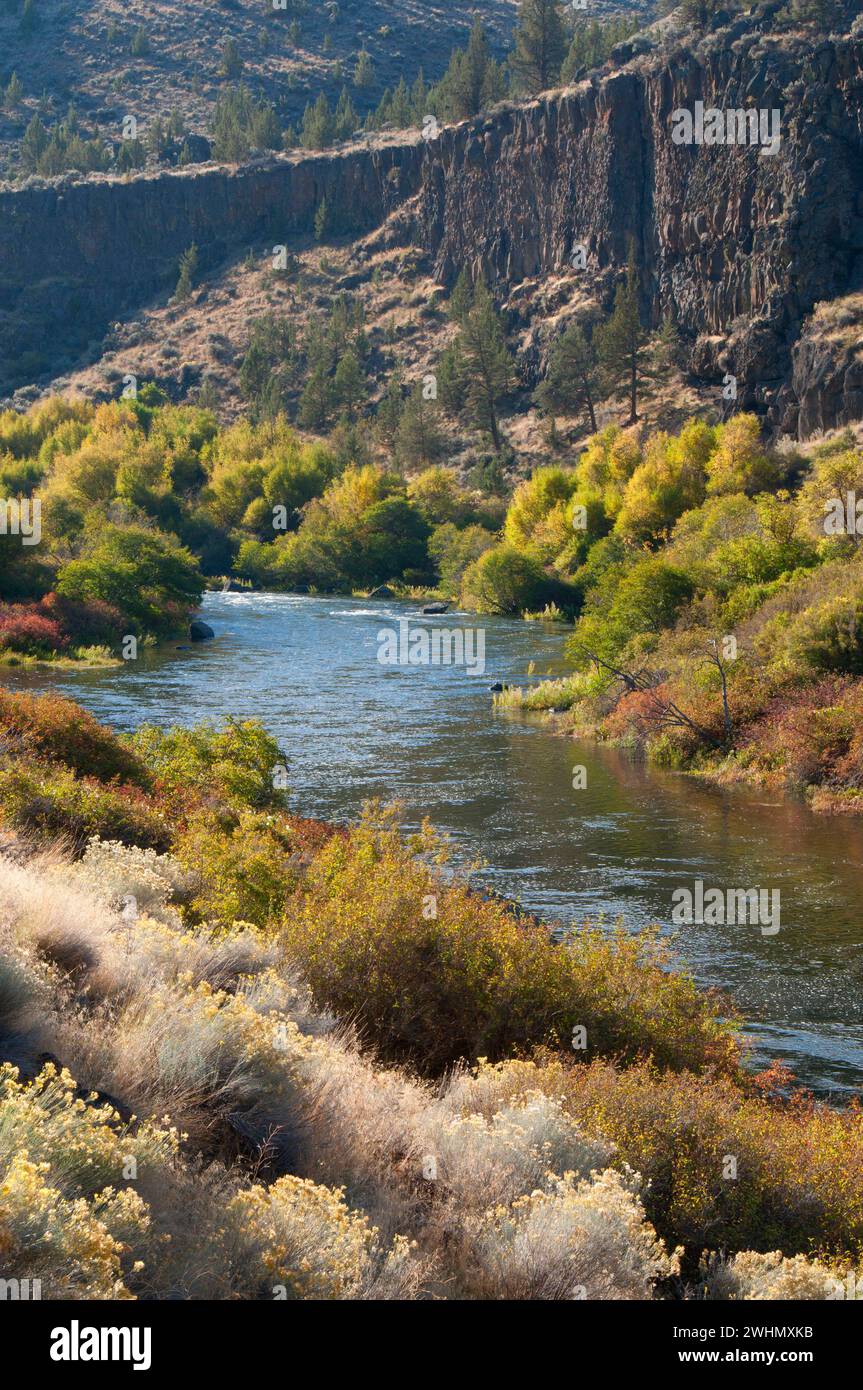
(436, 608)
(200, 632)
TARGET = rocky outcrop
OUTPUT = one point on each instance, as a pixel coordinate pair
(738, 243)
(826, 387)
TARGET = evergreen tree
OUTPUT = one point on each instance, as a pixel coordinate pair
(350, 385)
(13, 94)
(188, 271)
(364, 73)
(319, 125)
(621, 341)
(540, 45)
(418, 441)
(668, 347)
(487, 362)
(34, 143)
(472, 81)
(461, 299)
(29, 18)
(571, 384)
(346, 117)
(232, 62)
(389, 412)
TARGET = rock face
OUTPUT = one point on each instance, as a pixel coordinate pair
(75, 255)
(739, 244)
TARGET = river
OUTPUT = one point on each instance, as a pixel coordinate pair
(502, 787)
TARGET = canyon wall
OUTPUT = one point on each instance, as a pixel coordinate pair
(738, 243)
(76, 253)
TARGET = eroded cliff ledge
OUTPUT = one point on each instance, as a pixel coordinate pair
(739, 243)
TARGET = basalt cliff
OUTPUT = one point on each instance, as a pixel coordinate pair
(740, 243)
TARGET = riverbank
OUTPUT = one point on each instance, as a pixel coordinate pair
(809, 731)
(198, 985)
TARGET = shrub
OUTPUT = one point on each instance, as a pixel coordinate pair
(503, 580)
(799, 1183)
(233, 764)
(243, 873)
(46, 802)
(23, 628)
(578, 1240)
(301, 1237)
(471, 981)
(752, 1276)
(47, 726)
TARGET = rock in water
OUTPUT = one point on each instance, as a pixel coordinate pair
(436, 608)
(200, 632)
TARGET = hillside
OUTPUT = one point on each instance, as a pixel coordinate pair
(110, 62)
(736, 248)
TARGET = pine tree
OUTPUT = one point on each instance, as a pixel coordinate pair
(346, 117)
(322, 219)
(540, 44)
(668, 347)
(232, 62)
(318, 125)
(389, 412)
(621, 341)
(487, 362)
(350, 383)
(34, 143)
(29, 18)
(472, 81)
(571, 384)
(461, 299)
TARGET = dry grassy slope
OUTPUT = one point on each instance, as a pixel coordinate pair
(73, 58)
(179, 346)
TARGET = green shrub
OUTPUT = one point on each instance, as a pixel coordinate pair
(47, 802)
(435, 973)
(241, 873)
(233, 765)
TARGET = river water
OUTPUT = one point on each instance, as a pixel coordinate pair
(502, 787)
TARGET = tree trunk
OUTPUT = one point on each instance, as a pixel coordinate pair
(633, 390)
